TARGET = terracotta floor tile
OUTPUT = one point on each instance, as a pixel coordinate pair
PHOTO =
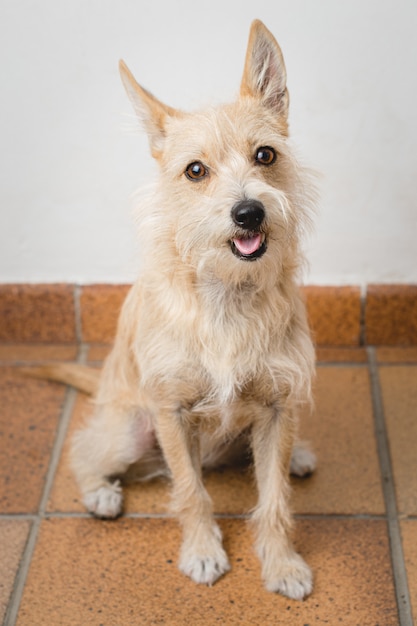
(232, 489)
(391, 314)
(37, 313)
(97, 352)
(341, 355)
(90, 572)
(30, 410)
(100, 308)
(409, 537)
(399, 392)
(390, 354)
(341, 432)
(24, 353)
(149, 497)
(13, 536)
(334, 314)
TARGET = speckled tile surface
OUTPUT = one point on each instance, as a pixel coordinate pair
(391, 314)
(37, 313)
(37, 353)
(399, 393)
(390, 354)
(100, 308)
(78, 570)
(29, 416)
(131, 578)
(148, 497)
(341, 355)
(98, 352)
(409, 534)
(339, 316)
(334, 315)
(341, 432)
(13, 536)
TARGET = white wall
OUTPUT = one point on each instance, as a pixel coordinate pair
(68, 167)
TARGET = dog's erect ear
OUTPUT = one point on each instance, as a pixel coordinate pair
(152, 113)
(264, 75)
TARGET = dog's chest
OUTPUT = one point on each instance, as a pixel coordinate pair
(234, 349)
(211, 350)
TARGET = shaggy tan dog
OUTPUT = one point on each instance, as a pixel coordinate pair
(212, 348)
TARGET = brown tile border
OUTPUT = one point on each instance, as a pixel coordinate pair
(334, 314)
(37, 313)
(340, 317)
(391, 315)
(15, 354)
(99, 310)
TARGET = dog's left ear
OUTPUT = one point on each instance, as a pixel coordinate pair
(152, 113)
(264, 75)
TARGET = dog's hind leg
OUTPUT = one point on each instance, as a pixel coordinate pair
(283, 570)
(202, 556)
(112, 441)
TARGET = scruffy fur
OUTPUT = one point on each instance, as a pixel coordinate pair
(212, 347)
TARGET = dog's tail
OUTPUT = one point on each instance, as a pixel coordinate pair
(76, 375)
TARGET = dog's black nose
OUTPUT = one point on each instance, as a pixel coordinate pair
(248, 214)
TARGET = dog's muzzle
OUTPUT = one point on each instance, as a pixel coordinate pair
(248, 215)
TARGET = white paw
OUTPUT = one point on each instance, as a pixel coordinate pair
(106, 501)
(292, 578)
(205, 569)
(303, 461)
(203, 558)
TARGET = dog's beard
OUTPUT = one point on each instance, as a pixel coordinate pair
(217, 249)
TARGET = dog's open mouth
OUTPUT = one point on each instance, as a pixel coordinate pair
(250, 247)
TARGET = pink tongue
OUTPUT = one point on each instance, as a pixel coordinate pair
(248, 246)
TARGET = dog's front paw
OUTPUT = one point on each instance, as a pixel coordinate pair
(291, 577)
(204, 559)
(205, 569)
(106, 501)
(303, 461)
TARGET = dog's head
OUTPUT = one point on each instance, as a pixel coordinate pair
(229, 196)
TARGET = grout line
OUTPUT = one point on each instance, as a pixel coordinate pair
(167, 515)
(57, 448)
(60, 436)
(362, 320)
(341, 364)
(21, 576)
(20, 581)
(77, 312)
(388, 486)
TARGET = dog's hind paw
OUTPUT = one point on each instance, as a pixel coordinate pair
(303, 461)
(106, 502)
(292, 578)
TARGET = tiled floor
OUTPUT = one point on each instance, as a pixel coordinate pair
(356, 516)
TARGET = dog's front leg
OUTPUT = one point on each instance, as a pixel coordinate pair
(202, 556)
(283, 570)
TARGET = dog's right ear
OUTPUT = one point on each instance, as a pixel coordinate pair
(152, 113)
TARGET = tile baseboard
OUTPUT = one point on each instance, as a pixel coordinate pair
(339, 316)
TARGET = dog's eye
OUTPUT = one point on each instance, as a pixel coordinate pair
(196, 171)
(265, 155)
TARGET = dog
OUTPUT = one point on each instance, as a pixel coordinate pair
(213, 351)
